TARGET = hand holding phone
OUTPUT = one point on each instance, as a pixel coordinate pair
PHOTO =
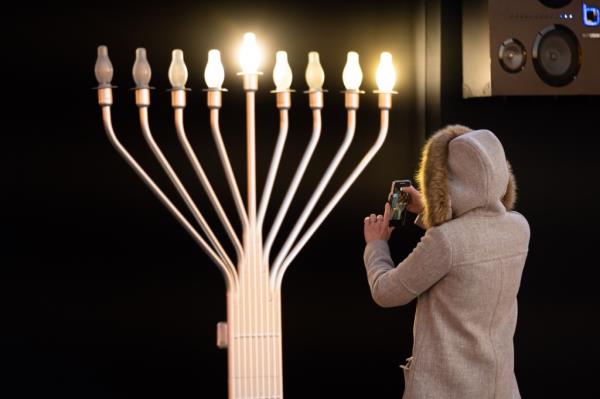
(415, 203)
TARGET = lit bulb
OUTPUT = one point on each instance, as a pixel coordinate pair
(249, 54)
(141, 69)
(103, 69)
(214, 73)
(178, 72)
(352, 74)
(315, 76)
(385, 75)
(282, 73)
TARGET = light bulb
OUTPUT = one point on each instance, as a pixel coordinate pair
(385, 75)
(249, 54)
(315, 76)
(214, 73)
(352, 74)
(141, 69)
(103, 69)
(178, 72)
(282, 73)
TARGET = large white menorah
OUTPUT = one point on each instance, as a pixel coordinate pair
(252, 333)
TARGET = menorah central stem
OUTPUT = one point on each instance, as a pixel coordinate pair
(251, 154)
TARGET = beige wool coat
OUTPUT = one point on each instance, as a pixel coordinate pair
(465, 271)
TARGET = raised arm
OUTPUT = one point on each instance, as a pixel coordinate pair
(395, 286)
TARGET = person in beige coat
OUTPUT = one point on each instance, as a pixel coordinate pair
(465, 272)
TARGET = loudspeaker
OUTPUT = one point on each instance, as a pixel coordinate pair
(530, 47)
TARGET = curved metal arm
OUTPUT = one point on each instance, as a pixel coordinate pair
(276, 278)
(266, 195)
(180, 188)
(312, 144)
(205, 182)
(229, 275)
(235, 191)
(351, 128)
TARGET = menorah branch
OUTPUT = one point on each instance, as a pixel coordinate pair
(145, 126)
(277, 278)
(229, 175)
(310, 148)
(351, 128)
(181, 134)
(105, 95)
(274, 166)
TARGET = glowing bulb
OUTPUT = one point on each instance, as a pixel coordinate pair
(103, 69)
(178, 72)
(249, 54)
(214, 73)
(315, 76)
(352, 74)
(282, 73)
(385, 75)
(141, 69)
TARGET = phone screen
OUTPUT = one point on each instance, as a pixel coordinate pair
(398, 201)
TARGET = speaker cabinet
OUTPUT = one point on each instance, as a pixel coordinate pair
(530, 47)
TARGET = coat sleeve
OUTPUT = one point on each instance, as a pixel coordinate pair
(392, 286)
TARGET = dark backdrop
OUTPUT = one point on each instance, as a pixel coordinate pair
(104, 295)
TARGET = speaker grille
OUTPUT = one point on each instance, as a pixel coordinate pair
(512, 55)
(557, 55)
(555, 3)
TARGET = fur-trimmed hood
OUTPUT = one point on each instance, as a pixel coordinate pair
(462, 169)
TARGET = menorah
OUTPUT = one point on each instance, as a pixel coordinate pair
(252, 332)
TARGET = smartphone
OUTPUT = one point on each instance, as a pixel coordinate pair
(398, 201)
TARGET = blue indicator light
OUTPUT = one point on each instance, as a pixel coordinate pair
(591, 15)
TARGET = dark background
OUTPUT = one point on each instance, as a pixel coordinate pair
(104, 295)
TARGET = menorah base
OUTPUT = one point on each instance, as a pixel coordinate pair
(254, 340)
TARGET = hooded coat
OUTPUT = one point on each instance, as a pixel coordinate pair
(465, 271)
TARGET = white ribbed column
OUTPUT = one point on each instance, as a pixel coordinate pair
(254, 322)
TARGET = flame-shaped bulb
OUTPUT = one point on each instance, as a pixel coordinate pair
(103, 68)
(214, 73)
(178, 72)
(352, 74)
(249, 54)
(385, 75)
(282, 73)
(141, 69)
(315, 76)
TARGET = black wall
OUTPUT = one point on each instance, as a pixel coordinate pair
(103, 293)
